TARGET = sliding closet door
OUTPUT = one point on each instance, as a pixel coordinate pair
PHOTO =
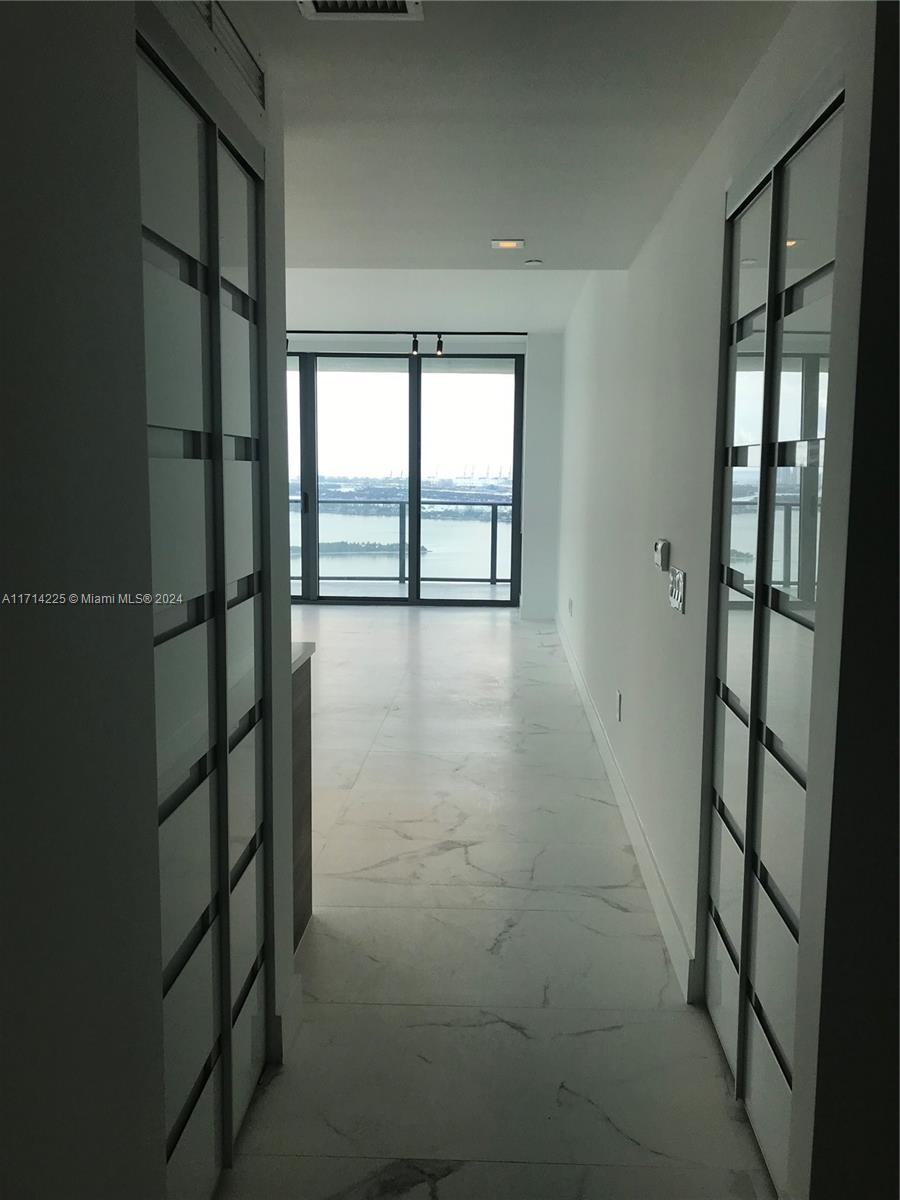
(201, 298)
(776, 404)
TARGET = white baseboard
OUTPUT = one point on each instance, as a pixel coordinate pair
(676, 943)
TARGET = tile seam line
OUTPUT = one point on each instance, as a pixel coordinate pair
(387, 713)
(489, 1006)
(512, 1162)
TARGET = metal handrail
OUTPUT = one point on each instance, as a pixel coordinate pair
(787, 536)
(402, 505)
(425, 502)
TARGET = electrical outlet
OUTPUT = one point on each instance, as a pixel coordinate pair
(570, 606)
(618, 705)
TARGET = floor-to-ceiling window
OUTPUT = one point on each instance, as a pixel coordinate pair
(468, 439)
(405, 476)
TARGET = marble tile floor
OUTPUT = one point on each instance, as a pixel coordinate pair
(488, 1010)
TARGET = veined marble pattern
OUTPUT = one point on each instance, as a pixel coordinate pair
(488, 1009)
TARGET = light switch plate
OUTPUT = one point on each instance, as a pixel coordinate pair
(661, 554)
(676, 589)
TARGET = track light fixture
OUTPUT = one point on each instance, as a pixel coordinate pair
(440, 345)
(415, 345)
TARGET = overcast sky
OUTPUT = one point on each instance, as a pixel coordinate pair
(467, 424)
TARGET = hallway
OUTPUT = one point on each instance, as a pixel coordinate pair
(489, 1012)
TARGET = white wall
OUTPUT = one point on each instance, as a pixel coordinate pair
(641, 367)
(540, 475)
(81, 1026)
(506, 301)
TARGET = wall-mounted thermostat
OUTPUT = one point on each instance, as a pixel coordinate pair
(661, 553)
(676, 589)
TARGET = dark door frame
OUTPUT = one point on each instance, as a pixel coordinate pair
(309, 480)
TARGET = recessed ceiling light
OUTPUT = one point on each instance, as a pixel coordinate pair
(791, 242)
(507, 243)
(534, 262)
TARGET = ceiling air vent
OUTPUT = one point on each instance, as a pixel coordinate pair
(361, 10)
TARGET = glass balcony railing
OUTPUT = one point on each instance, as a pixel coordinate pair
(466, 541)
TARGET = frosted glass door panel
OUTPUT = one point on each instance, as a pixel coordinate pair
(183, 715)
(782, 820)
(237, 223)
(787, 685)
(809, 203)
(245, 792)
(193, 1169)
(180, 526)
(773, 970)
(801, 394)
(722, 992)
(771, 476)
(730, 763)
(239, 374)
(242, 539)
(768, 1100)
(743, 426)
(172, 139)
(726, 879)
(750, 256)
(247, 930)
(187, 877)
(741, 520)
(735, 643)
(191, 1023)
(244, 640)
(176, 342)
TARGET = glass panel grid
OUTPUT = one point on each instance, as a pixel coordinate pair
(776, 400)
(809, 204)
(741, 519)
(207, 534)
(750, 255)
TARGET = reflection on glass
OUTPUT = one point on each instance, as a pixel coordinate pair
(468, 416)
(809, 212)
(739, 525)
(735, 643)
(750, 256)
(730, 750)
(745, 387)
(782, 821)
(772, 969)
(802, 381)
(797, 516)
(787, 686)
(295, 496)
(726, 878)
(362, 415)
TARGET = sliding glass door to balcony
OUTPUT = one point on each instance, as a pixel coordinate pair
(404, 476)
(468, 436)
(362, 422)
(295, 492)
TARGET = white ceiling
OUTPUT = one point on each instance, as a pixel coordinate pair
(465, 301)
(569, 123)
